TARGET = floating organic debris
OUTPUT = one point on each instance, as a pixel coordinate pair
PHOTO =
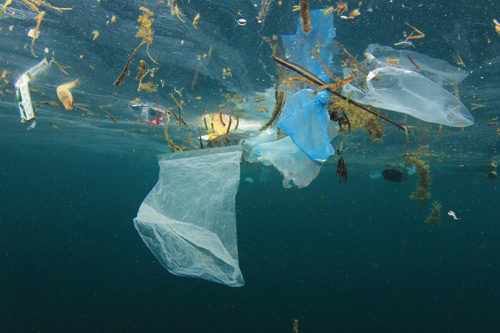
(53, 61)
(266, 4)
(304, 13)
(434, 217)
(35, 33)
(64, 94)
(145, 33)
(142, 70)
(422, 192)
(280, 101)
(56, 127)
(342, 171)
(4, 7)
(195, 21)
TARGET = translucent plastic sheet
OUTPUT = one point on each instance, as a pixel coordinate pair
(436, 70)
(305, 120)
(299, 47)
(188, 219)
(290, 161)
(405, 91)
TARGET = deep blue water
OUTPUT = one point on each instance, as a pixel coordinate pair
(351, 257)
(359, 259)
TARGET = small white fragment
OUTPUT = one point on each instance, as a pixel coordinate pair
(452, 214)
(241, 22)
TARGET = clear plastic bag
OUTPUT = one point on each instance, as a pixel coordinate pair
(288, 159)
(408, 92)
(436, 70)
(188, 220)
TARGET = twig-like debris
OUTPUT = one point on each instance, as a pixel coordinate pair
(311, 77)
(109, 115)
(141, 72)
(280, 101)
(170, 142)
(413, 62)
(125, 69)
(304, 12)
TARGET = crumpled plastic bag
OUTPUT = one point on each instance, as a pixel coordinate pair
(305, 119)
(188, 220)
(288, 159)
(436, 70)
(411, 93)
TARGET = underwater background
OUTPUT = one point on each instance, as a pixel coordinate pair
(344, 257)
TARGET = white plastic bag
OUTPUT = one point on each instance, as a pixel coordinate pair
(188, 219)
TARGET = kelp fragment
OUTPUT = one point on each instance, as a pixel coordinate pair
(422, 192)
(304, 13)
(434, 218)
(64, 94)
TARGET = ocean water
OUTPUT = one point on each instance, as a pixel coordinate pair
(350, 257)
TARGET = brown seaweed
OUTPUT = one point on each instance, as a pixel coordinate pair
(422, 192)
(434, 218)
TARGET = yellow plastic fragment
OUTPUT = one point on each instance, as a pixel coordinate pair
(96, 34)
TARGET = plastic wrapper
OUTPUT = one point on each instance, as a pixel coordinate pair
(188, 219)
(23, 95)
(436, 70)
(408, 92)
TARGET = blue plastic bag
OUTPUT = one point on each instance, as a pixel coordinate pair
(305, 119)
